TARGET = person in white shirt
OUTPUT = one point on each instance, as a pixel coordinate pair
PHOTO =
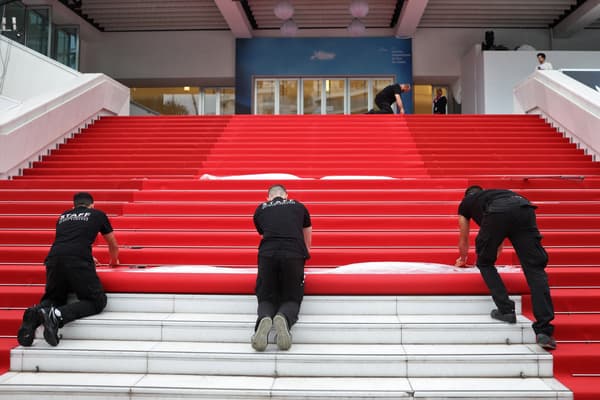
(543, 65)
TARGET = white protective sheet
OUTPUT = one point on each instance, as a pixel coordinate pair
(381, 267)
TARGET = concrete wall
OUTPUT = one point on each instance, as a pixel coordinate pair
(586, 40)
(210, 56)
(163, 58)
(441, 55)
(472, 72)
(205, 58)
(438, 53)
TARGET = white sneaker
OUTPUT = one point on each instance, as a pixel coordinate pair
(284, 338)
(260, 337)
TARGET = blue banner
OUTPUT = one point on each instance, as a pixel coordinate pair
(320, 57)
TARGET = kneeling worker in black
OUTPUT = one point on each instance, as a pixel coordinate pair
(286, 232)
(504, 214)
(70, 267)
(388, 96)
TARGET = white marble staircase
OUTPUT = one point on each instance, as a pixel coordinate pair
(345, 347)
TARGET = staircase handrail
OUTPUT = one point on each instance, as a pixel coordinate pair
(57, 110)
(569, 105)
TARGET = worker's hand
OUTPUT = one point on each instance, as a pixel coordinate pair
(114, 263)
(96, 262)
(461, 262)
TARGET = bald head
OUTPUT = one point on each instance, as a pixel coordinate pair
(277, 190)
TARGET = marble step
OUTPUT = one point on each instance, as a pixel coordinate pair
(311, 305)
(61, 386)
(345, 329)
(95, 356)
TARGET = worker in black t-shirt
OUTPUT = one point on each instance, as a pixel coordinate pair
(70, 267)
(286, 232)
(503, 214)
(388, 96)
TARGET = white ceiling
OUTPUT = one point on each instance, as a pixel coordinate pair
(143, 15)
(494, 13)
(247, 18)
(311, 14)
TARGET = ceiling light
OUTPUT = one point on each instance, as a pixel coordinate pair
(356, 27)
(284, 10)
(359, 8)
(289, 28)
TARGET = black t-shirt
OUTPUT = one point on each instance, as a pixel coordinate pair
(281, 223)
(76, 231)
(388, 94)
(475, 205)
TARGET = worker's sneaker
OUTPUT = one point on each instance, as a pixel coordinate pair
(31, 320)
(545, 341)
(283, 336)
(51, 325)
(511, 318)
(261, 336)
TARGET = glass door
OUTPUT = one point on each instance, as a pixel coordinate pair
(227, 101)
(316, 95)
(288, 96)
(335, 95)
(210, 99)
(265, 96)
(359, 96)
(311, 96)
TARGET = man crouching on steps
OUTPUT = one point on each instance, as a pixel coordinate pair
(70, 267)
(286, 232)
(503, 214)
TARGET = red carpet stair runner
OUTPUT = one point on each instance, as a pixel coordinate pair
(158, 178)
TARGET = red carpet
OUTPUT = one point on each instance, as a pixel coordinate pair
(145, 172)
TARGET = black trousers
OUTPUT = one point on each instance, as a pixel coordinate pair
(66, 274)
(384, 106)
(280, 286)
(518, 224)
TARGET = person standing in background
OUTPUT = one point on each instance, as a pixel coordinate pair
(543, 64)
(440, 102)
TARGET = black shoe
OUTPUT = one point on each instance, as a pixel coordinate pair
(51, 325)
(545, 341)
(511, 318)
(31, 320)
